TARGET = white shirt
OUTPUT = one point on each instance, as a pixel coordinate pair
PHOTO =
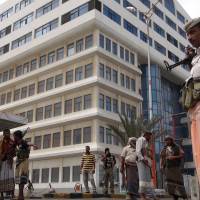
(195, 71)
(140, 144)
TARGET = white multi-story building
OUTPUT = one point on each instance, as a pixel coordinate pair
(70, 66)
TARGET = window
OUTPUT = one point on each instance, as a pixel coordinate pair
(29, 116)
(128, 4)
(33, 64)
(114, 48)
(101, 41)
(132, 58)
(158, 29)
(79, 73)
(101, 101)
(67, 138)
(70, 49)
(173, 57)
(23, 21)
(45, 175)
(122, 80)
(31, 89)
(111, 14)
(118, 1)
(3, 99)
(123, 110)
(77, 104)
(108, 103)
(79, 45)
(42, 60)
(180, 17)
(69, 77)
(48, 112)
(25, 3)
(11, 74)
(172, 40)
(146, 3)
(182, 47)
(57, 109)
(35, 176)
(60, 53)
(88, 41)
(4, 49)
(77, 136)
(127, 82)
(87, 135)
(144, 38)
(182, 32)
(22, 40)
(88, 70)
(46, 28)
(47, 8)
(25, 68)
(160, 48)
(122, 52)
(51, 57)
(23, 92)
(16, 94)
(38, 141)
(9, 96)
(101, 70)
(66, 174)
(133, 85)
(108, 136)
(46, 141)
(170, 23)
(5, 76)
(115, 76)
(5, 31)
(127, 55)
(58, 80)
(76, 173)
(101, 134)
(41, 86)
(130, 27)
(55, 175)
(6, 14)
(87, 101)
(108, 73)
(158, 12)
(68, 106)
(115, 105)
(39, 113)
(169, 4)
(108, 44)
(56, 139)
(49, 83)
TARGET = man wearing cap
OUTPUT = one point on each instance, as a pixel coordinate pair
(144, 164)
(193, 34)
(129, 168)
(171, 157)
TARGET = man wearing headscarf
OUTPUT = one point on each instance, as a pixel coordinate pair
(171, 157)
(129, 168)
(144, 165)
(192, 29)
(7, 152)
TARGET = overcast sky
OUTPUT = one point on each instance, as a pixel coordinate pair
(191, 6)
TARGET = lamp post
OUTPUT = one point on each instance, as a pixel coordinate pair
(147, 17)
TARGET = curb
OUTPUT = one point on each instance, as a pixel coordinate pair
(88, 196)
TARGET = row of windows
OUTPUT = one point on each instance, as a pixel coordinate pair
(5, 31)
(57, 139)
(4, 49)
(68, 174)
(19, 6)
(116, 49)
(112, 105)
(110, 74)
(53, 56)
(54, 110)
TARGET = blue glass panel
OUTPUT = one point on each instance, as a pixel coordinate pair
(111, 14)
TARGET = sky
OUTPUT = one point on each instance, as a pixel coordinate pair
(191, 6)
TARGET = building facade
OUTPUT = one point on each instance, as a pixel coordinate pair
(71, 66)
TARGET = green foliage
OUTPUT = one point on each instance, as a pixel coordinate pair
(134, 127)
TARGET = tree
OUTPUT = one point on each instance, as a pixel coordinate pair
(133, 127)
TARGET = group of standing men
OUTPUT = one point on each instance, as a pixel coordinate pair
(10, 148)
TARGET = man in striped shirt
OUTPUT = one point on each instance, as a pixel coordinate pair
(88, 169)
